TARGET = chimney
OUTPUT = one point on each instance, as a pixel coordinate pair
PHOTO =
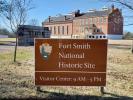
(49, 18)
(65, 18)
(113, 7)
(76, 13)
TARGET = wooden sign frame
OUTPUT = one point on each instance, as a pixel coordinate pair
(70, 62)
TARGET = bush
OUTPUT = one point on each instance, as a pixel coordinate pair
(128, 35)
(4, 31)
(11, 35)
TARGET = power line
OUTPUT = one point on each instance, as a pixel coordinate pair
(128, 25)
(128, 16)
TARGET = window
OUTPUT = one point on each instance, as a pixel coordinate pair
(35, 33)
(77, 37)
(43, 34)
(104, 36)
(94, 30)
(82, 29)
(90, 20)
(51, 29)
(38, 33)
(94, 20)
(114, 28)
(87, 21)
(30, 33)
(96, 37)
(100, 29)
(20, 34)
(97, 20)
(101, 20)
(82, 21)
(86, 30)
(58, 29)
(104, 19)
(62, 29)
(54, 30)
(89, 36)
(67, 30)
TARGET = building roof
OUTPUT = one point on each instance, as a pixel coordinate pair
(32, 27)
(95, 13)
(60, 18)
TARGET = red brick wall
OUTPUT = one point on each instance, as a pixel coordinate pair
(77, 25)
(112, 24)
(59, 26)
(115, 23)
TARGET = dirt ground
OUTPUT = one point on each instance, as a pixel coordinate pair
(17, 79)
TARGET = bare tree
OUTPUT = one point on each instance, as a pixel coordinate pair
(2, 6)
(127, 4)
(15, 15)
(33, 22)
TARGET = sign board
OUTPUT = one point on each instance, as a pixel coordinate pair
(70, 62)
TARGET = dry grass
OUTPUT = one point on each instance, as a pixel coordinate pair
(17, 79)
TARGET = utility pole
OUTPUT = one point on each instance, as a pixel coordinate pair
(102, 90)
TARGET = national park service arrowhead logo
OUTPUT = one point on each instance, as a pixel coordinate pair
(45, 50)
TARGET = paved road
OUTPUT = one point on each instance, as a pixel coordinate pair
(8, 43)
(119, 46)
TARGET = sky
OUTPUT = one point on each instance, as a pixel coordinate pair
(44, 8)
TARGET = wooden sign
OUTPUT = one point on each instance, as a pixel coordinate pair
(70, 62)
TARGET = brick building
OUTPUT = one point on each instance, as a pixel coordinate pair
(105, 22)
(27, 33)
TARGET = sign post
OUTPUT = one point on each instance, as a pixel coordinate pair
(70, 62)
